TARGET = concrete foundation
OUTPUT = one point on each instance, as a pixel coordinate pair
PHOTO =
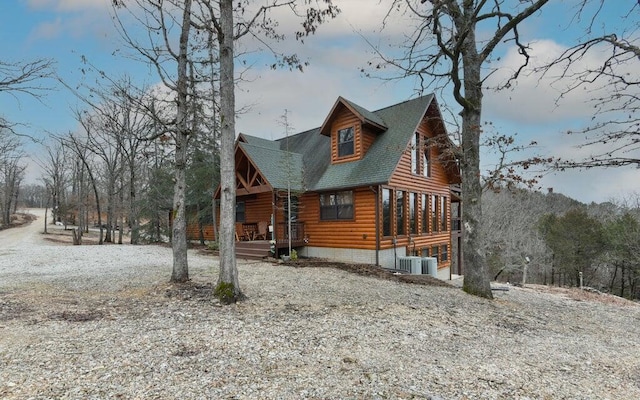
(386, 257)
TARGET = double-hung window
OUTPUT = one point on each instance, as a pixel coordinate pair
(413, 213)
(443, 214)
(426, 160)
(346, 143)
(386, 212)
(400, 213)
(336, 205)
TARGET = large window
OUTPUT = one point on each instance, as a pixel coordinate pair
(386, 212)
(413, 213)
(345, 142)
(425, 214)
(240, 216)
(338, 205)
(426, 161)
(443, 214)
(415, 151)
(434, 213)
(400, 214)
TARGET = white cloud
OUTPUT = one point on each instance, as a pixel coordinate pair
(67, 5)
(47, 30)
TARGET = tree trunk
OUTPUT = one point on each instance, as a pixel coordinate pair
(228, 287)
(476, 280)
(133, 205)
(613, 278)
(179, 227)
(622, 284)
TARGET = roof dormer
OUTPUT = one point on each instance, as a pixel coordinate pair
(352, 130)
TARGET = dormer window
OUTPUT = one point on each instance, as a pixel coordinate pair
(345, 142)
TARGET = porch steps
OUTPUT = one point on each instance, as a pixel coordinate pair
(254, 249)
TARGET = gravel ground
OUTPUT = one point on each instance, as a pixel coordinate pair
(102, 322)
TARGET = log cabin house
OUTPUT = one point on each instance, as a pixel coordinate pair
(365, 187)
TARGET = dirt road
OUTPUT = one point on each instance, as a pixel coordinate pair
(26, 235)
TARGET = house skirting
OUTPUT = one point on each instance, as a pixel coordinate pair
(387, 257)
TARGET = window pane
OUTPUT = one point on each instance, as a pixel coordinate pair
(415, 145)
(345, 197)
(336, 205)
(413, 206)
(425, 214)
(434, 213)
(386, 212)
(328, 212)
(400, 212)
(345, 211)
(345, 142)
(444, 255)
(426, 161)
(434, 253)
(443, 214)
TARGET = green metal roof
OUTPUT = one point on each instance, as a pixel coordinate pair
(280, 168)
(366, 114)
(311, 151)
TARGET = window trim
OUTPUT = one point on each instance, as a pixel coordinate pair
(415, 151)
(444, 253)
(444, 225)
(424, 210)
(352, 141)
(426, 159)
(391, 203)
(413, 209)
(337, 206)
(403, 221)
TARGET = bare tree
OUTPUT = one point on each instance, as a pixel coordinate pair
(11, 174)
(55, 179)
(227, 24)
(128, 125)
(444, 50)
(161, 16)
(25, 78)
(613, 133)
(230, 25)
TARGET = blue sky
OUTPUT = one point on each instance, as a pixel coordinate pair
(67, 30)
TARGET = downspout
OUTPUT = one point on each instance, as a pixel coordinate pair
(274, 199)
(377, 223)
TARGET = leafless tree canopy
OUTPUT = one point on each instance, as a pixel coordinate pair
(24, 78)
(613, 134)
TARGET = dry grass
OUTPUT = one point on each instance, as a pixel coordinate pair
(578, 294)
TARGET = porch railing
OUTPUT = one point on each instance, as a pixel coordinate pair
(456, 224)
(297, 233)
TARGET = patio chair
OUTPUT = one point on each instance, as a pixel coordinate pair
(263, 230)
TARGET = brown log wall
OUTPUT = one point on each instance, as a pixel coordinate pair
(358, 233)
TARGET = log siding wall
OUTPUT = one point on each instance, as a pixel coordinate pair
(357, 233)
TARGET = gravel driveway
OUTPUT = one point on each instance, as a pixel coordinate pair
(102, 322)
